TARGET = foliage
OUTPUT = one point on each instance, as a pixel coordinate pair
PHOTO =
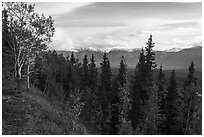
(84, 78)
(191, 104)
(105, 73)
(172, 98)
(191, 110)
(27, 35)
(125, 126)
(92, 73)
(150, 57)
(161, 99)
(105, 92)
(153, 118)
(191, 76)
(122, 75)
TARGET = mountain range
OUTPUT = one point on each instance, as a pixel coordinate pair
(169, 59)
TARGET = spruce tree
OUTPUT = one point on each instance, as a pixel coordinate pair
(191, 75)
(150, 58)
(106, 73)
(152, 118)
(171, 125)
(190, 102)
(68, 79)
(105, 92)
(72, 59)
(142, 63)
(161, 98)
(150, 111)
(141, 77)
(118, 84)
(122, 76)
(143, 82)
(125, 125)
(191, 110)
(138, 91)
(86, 93)
(114, 103)
(142, 67)
(92, 97)
(85, 74)
(92, 73)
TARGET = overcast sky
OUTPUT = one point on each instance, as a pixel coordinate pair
(124, 25)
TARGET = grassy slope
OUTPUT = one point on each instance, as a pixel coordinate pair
(31, 113)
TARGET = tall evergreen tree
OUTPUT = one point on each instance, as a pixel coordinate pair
(92, 99)
(142, 67)
(72, 59)
(190, 102)
(118, 83)
(92, 73)
(85, 74)
(114, 121)
(142, 64)
(138, 91)
(191, 76)
(70, 75)
(141, 77)
(171, 106)
(142, 83)
(125, 125)
(190, 110)
(150, 58)
(105, 92)
(152, 118)
(87, 96)
(40, 71)
(122, 76)
(161, 99)
(68, 80)
(91, 111)
(106, 73)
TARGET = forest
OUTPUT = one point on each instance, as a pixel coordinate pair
(44, 92)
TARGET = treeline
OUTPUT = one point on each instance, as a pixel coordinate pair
(148, 103)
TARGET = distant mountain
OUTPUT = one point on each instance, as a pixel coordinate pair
(177, 59)
(174, 50)
(181, 59)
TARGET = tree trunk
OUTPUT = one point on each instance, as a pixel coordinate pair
(28, 74)
(19, 75)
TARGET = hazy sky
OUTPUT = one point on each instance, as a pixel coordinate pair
(124, 25)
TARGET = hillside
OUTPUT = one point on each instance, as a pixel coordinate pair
(32, 113)
(169, 60)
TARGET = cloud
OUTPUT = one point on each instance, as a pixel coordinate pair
(127, 25)
(89, 23)
(183, 24)
(127, 37)
(67, 44)
(62, 40)
(57, 8)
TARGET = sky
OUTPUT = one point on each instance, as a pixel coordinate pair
(120, 25)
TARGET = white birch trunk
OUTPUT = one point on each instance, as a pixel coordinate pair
(28, 74)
